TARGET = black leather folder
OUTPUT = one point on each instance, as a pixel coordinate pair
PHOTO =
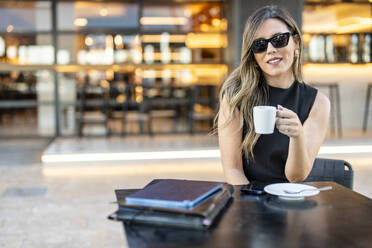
(200, 217)
(173, 193)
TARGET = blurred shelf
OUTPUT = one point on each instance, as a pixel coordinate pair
(15, 67)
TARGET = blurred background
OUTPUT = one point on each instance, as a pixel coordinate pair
(74, 68)
(104, 95)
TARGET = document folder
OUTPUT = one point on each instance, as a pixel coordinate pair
(173, 193)
(200, 217)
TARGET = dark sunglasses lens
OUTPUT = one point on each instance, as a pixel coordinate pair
(259, 46)
(280, 40)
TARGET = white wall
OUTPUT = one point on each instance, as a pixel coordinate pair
(353, 81)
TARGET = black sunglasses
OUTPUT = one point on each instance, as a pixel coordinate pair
(278, 41)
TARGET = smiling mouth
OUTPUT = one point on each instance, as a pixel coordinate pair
(274, 61)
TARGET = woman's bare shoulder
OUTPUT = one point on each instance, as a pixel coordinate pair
(321, 106)
(322, 100)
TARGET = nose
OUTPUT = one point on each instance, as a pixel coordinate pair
(270, 48)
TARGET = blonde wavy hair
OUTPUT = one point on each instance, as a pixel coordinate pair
(245, 87)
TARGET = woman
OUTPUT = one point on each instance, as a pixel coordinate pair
(270, 74)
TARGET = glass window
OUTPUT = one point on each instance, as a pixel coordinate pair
(337, 32)
(341, 48)
(81, 15)
(183, 33)
(25, 16)
(34, 49)
(27, 103)
(101, 49)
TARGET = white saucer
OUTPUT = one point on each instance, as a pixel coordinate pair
(278, 189)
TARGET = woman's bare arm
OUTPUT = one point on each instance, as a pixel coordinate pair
(230, 139)
(304, 140)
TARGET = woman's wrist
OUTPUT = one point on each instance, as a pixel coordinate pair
(299, 134)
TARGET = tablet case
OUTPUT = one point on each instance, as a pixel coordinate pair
(173, 193)
(201, 217)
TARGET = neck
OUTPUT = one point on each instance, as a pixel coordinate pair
(282, 81)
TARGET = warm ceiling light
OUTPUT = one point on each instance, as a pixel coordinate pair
(354, 25)
(109, 74)
(206, 40)
(11, 52)
(157, 73)
(306, 38)
(214, 11)
(157, 38)
(139, 90)
(80, 22)
(10, 28)
(187, 12)
(173, 56)
(202, 18)
(103, 12)
(340, 18)
(104, 84)
(163, 20)
(139, 98)
(216, 22)
(205, 27)
(89, 41)
(223, 25)
(118, 40)
(121, 98)
(210, 72)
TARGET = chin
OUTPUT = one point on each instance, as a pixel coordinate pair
(275, 72)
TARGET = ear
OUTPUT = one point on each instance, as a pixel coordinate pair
(296, 40)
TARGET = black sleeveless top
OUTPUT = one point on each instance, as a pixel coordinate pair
(271, 150)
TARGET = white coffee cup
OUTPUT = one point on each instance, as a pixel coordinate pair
(264, 118)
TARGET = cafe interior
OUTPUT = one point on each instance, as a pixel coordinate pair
(104, 95)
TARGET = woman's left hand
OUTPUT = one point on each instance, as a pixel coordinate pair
(288, 122)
